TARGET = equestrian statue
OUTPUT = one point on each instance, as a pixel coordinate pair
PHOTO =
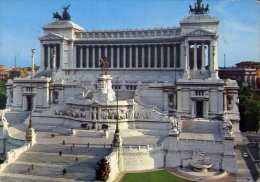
(65, 14)
(104, 64)
(199, 8)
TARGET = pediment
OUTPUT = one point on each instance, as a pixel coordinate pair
(200, 32)
(51, 36)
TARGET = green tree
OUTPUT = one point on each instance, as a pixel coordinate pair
(2, 95)
(249, 109)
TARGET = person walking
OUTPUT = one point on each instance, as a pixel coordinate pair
(64, 171)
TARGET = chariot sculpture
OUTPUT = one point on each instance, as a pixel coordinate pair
(199, 8)
(65, 14)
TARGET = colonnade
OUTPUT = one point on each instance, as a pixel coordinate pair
(198, 58)
(48, 56)
(129, 56)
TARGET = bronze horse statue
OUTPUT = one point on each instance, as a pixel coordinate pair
(57, 16)
(104, 64)
(207, 9)
(65, 14)
(191, 10)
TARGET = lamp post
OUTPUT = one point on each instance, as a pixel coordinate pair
(117, 140)
(117, 129)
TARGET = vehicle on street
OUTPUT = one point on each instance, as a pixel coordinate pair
(245, 154)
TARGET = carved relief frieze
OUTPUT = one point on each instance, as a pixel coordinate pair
(127, 34)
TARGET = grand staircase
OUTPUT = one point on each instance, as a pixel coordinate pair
(45, 158)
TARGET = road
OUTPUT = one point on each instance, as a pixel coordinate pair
(249, 167)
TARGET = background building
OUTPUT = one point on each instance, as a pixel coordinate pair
(246, 73)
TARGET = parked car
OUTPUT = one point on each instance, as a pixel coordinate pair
(245, 154)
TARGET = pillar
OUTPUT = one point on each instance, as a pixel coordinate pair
(118, 56)
(81, 57)
(225, 101)
(203, 60)
(99, 113)
(206, 115)
(168, 56)
(195, 56)
(112, 56)
(87, 57)
(149, 56)
(42, 56)
(162, 57)
(93, 56)
(61, 55)
(124, 56)
(165, 101)
(143, 55)
(74, 56)
(51, 97)
(136, 56)
(25, 103)
(130, 56)
(106, 50)
(192, 108)
(49, 57)
(155, 56)
(212, 54)
(175, 56)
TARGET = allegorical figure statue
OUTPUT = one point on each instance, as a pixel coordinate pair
(65, 14)
(104, 64)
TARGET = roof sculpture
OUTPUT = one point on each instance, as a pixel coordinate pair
(199, 8)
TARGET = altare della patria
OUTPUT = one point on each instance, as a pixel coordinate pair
(132, 99)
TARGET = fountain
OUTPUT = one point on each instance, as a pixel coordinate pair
(200, 162)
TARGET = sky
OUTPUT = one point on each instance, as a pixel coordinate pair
(21, 22)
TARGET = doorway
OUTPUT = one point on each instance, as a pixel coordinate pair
(29, 103)
(199, 109)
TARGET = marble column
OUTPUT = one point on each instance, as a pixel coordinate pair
(62, 57)
(42, 57)
(87, 57)
(162, 57)
(25, 103)
(212, 54)
(175, 101)
(51, 97)
(124, 56)
(99, 52)
(168, 56)
(155, 56)
(175, 56)
(136, 57)
(118, 56)
(149, 56)
(49, 57)
(112, 56)
(106, 50)
(192, 108)
(143, 56)
(70, 54)
(165, 99)
(93, 56)
(225, 101)
(203, 60)
(195, 57)
(99, 113)
(206, 115)
(75, 56)
(81, 57)
(130, 56)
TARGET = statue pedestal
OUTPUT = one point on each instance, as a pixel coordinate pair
(173, 155)
(105, 91)
(31, 136)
